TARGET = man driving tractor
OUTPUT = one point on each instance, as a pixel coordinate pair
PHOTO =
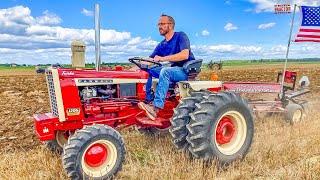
(175, 48)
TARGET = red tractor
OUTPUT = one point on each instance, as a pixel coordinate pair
(207, 118)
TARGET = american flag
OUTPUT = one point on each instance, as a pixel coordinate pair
(310, 25)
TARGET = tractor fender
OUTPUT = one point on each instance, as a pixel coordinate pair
(186, 86)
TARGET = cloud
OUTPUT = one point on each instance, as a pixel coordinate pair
(205, 33)
(230, 27)
(267, 25)
(268, 5)
(226, 49)
(14, 20)
(240, 52)
(86, 12)
(227, 2)
(41, 39)
(57, 33)
(304, 50)
(45, 56)
(17, 14)
(17, 24)
(48, 19)
(26, 39)
(263, 5)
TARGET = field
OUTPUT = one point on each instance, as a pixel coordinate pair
(279, 151)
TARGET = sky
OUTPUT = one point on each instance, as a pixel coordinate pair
(41, 31)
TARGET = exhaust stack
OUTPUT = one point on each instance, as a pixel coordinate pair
(97, 35)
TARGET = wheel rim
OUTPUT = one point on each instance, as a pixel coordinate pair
(99, 158)
(230, 132)
(96, 155)
(61, 138)
(297, 115)
(225, 131)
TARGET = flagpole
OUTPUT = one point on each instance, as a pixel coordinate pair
(286, 61)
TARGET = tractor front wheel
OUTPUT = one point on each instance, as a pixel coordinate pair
(94, 152)
(57, 144)
(221, 128)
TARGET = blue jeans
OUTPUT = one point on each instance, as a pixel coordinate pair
(165, 75)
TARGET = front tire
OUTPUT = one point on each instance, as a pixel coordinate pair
(56, 145)
(221, 128)
(94, 152)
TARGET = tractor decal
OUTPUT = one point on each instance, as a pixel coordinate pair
(73, 111)
(67, 73)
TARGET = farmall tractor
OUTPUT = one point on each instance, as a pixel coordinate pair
(209, 119)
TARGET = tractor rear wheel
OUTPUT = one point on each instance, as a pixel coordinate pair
(181, 118)
(94, 152)
(56, 145)
(221, 128)
(294, 113)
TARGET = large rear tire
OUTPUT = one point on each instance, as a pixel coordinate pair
(94, 152)
(181, 118)
(221, 128)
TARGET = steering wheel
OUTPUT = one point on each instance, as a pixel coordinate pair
(138, 62)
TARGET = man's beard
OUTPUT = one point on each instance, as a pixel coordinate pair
(163, 32)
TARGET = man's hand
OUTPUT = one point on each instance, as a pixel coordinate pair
(158, 58)
(182, 55)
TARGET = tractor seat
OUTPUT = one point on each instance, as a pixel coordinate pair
(192, 68)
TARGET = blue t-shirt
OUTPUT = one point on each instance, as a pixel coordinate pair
(176, 44)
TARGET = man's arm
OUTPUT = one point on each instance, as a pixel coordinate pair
(182, 55)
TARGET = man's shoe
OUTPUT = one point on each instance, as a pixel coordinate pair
(150, 110)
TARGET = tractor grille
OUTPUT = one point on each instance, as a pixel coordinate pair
(128, 89)
(52, 94)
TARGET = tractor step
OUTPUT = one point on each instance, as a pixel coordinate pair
(145, 121)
